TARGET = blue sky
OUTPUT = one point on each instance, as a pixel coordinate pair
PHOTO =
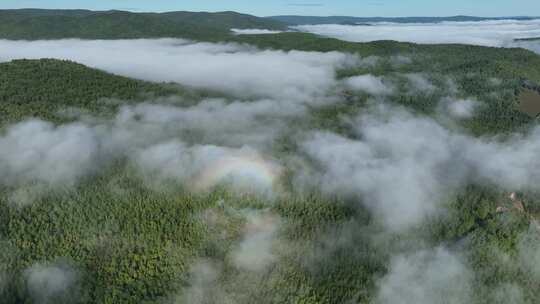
(302, 7)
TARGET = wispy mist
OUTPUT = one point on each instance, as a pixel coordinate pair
(236, 69)
(402, 165)
(487, 33)
(426, 277)
(52, 284)
(38, 150)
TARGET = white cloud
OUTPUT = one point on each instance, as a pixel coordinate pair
(211, 143)
(255, 251)
(203, 167)
(530, 45)
(236, 69)
(529, 250)
(254, 31)
(369, 84)
(215, 121)
(397, 167)
(51, 283)
(487, 33)
(37, 150)
(204, 285)
(419, 83)
(460, 108)
(215, 282)
(426, 277)
(402, 166)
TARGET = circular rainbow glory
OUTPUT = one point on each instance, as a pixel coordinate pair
(244, 170)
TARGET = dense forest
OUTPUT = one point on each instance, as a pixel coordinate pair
(57, 24)
(44, 88)
(118, 235)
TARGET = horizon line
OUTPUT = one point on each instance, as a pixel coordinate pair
(133, 10)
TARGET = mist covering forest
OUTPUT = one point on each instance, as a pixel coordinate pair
(265, 167)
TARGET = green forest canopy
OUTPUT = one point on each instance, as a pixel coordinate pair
(57, 24)
(134, 244)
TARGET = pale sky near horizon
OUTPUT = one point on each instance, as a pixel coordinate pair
(488, 8)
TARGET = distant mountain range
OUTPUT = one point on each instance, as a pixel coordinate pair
(349, 20)
(56, 24)
(527, 39)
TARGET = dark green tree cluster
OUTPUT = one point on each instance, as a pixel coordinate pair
(58, 24)
(41, 88)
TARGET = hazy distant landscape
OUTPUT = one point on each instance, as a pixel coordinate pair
(314, 20)
(205, 158)
(494, 33)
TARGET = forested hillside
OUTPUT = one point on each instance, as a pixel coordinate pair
(57, 24)
(44, 88)
(280, 168)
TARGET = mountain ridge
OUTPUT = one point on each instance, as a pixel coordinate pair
(29, 24)
(313, 20)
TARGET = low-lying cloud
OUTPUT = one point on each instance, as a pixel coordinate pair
(236, 69)
(459, 108)
(486, 33)
(419, 83)
(52, 283)
(204, 285)
(214, 142)
(246, 266)
(204, 167)
(254, 31)
(38, 151)
(401, 165)
(426, 277)
(369, 84)
(397, 163)
(255, 251)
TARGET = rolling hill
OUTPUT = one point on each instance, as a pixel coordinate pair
(40, 88)
(56, 24)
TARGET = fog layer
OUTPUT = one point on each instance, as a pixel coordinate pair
(486, 33)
